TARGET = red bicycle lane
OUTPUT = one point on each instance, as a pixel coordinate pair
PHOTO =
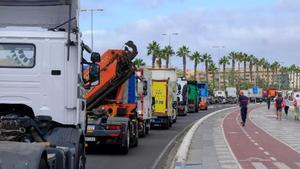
(254, 148)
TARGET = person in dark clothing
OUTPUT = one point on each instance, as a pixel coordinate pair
(278, 102)
(269, 102)
(243, 100)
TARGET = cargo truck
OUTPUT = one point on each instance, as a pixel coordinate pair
(112, 118)
(42, 111)
(231, 95)
(181, 96)
(192, 97)
(164, 89)
(203, 96)
(144, 100)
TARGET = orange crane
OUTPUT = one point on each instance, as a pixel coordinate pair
(112, 116)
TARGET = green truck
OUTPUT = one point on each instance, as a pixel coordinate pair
(192, 97)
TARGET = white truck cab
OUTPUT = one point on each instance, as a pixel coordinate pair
(41, 86)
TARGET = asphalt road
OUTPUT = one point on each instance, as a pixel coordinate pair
(146, 154)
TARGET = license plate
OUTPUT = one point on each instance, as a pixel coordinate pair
(156, 125)
(90, 128)
(90, 139)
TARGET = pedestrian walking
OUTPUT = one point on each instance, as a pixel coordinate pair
(286, 105)
(269, 102)
(278, 106)
(243, 100)
(296, 109)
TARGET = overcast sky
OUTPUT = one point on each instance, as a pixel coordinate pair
(264, 28)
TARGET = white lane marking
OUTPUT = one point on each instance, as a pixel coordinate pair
(250, 137)
(266, 153)
(227, 143)
(258, 165)
(281, 165)
(273, 158)
(252, 141)
(261, 148)
(298, 164)
(256, 144)
(256, 132)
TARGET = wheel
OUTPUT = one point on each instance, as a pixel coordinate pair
(125, 147)
(81, 159)
(147, 130)
(43, 164)
(170, 123)
(135, 140)
(167, 126)
(143, 133)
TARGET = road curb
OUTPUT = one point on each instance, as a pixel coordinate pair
(181, 155)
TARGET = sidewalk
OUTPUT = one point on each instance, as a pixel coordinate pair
(263, 143)
(208, 149)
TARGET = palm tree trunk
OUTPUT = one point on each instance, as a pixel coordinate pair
(256, 74)
(184, 66)
(195, 71)
(268, 77)
(206, 70)
(167, 62)
(251, 75)
(239, 74)
(245, 64)
(233, 72)
(224, 73)
(297, 79)
(153, 61)
(159, 62)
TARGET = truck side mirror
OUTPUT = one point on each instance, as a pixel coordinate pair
(95, 57)
(94, 74)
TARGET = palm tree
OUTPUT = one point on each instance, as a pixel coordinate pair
(274, 67)
(183, 52)
(207, 60)
(261, 63)
(245, 59)
(251, 60)
(292, 69)
(224, 61)
(234, 57)
(212, 68)
(283, 70)
(239, 59)
(256, 63)
(196, 57)
(267, 66)
(153, 49)
(139, 63)
(168, 52)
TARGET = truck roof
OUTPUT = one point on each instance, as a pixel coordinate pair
(38, 13)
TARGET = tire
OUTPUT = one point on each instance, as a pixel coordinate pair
(43, 164)
(125, 148)
(143, 133)
(135, 140)
(81, 159)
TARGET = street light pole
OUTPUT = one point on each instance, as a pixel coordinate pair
(219, 53)
(169, 36)
(92, 23)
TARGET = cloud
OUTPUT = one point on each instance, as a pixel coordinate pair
(254, 32)
(288, 5)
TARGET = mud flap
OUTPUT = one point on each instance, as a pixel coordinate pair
(20, 155)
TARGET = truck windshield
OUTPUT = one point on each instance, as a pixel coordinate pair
(17, 55)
